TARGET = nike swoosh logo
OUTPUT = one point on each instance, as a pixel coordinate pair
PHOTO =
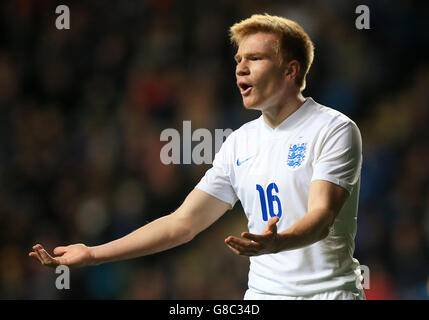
(239, 163)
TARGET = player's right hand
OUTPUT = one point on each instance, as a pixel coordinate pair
(75, 255)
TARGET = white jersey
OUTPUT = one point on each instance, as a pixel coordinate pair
(270, 171)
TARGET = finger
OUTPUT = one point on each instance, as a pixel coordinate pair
(39, 256)
(37, 250)
(244, 246)
(47, 259)
(243, 251)
(37, 247)
(34, 256)
(45, 255)
(239, 241)
(60, 250)
(233, 249)
(236, 250)
(255, 237)
(272, 224)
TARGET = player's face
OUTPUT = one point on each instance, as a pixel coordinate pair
(260, 76)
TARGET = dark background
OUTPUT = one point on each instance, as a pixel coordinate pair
(81, 112)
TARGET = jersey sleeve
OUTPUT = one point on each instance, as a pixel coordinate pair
(216, 180)
(340, 157)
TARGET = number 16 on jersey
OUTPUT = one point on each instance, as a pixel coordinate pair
(271, 199)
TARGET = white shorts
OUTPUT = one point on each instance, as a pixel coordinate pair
(328, 295)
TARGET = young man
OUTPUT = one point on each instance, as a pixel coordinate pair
(295, 169)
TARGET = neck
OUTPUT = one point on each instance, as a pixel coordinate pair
(275, 115)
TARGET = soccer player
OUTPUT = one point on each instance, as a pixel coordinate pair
(295, 169)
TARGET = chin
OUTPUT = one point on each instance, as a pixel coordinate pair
(250, 105)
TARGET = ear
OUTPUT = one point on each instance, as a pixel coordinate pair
(292, 70)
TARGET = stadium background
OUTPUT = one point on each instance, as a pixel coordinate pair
(81, 112)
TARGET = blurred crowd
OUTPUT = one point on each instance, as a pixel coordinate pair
(81, 112)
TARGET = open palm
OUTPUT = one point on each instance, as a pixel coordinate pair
(75, 255)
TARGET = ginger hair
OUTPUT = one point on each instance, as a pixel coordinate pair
(294, 42)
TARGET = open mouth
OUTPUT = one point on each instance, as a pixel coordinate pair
(245, 88)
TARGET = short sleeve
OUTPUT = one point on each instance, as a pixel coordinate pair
(340, 157)
(216, 180)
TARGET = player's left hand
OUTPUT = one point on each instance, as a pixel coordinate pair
(256, 244)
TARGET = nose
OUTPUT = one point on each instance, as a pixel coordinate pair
(242, 69)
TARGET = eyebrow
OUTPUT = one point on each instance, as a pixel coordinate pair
(249, 54)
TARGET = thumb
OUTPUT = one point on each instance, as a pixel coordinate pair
(60, 250)
(272, 226)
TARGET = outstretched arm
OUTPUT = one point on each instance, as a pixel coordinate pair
(324, 203)
(198, 211)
